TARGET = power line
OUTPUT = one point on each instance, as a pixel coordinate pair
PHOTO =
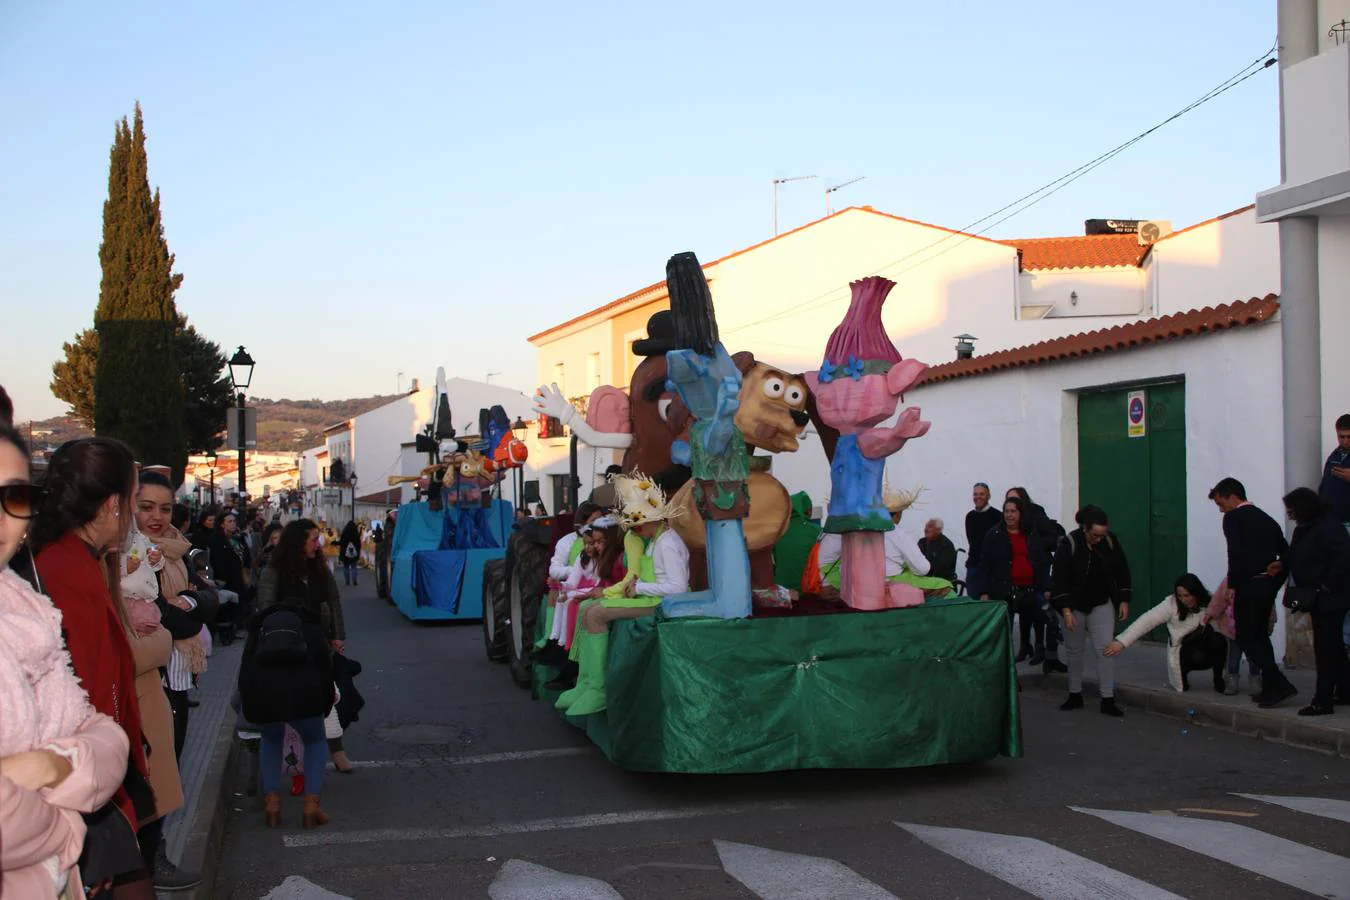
(1030, 199)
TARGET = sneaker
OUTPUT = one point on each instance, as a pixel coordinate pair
(1256, 685)
(1109, 708)
(1075, 701)
(169, 878)
(1230, 684)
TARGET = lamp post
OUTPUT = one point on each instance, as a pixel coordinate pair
(212, 473)
(520, 429)
(241, 373)
(351, 480)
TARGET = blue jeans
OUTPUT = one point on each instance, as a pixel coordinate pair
(316, 753)
(349, 571)
(1235, 660)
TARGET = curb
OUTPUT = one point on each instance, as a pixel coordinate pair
(1255, 722)
(205, 837)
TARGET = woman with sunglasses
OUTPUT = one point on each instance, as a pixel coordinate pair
(77, 537)
(58, 757)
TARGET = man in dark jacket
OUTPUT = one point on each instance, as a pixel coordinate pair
(938, 549)
(1256, 550)
(1335, 488)
(979, 521)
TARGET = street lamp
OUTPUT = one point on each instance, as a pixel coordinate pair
(241, 374)
(351, 479)
(520, 429)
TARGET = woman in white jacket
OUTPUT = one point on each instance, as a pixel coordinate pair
(1192, 644)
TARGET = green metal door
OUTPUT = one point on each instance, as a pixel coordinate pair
(1139, 480)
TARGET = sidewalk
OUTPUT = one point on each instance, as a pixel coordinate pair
(1141, 682)
(194, 833)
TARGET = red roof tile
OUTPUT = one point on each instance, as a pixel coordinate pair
(1091, 251)
(1121, 337)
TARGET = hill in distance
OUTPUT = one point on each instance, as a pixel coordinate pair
(284, 426)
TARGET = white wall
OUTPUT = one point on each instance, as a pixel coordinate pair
(380, 433)
(1112, 292)
(1333, 238)
(1316, 95)
(1015, 427)
(1232, 259)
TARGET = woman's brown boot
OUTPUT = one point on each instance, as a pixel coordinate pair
(314, 816)
(272, 809)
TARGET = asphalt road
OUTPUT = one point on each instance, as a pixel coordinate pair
(470, 789)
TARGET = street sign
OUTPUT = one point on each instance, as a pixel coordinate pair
(1136, 413)
(250, 429)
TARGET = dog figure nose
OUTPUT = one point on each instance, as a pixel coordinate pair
(800, 418)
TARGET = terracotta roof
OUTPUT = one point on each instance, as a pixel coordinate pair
(1092, 251)
(660, 285)
(1107, 340)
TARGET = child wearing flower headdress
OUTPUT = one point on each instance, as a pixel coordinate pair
(661, 569)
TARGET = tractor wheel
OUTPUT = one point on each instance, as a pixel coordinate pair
(527, 582)
(495, 609)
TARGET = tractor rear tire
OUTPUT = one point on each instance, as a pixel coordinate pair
(527, 582)
(496, 610)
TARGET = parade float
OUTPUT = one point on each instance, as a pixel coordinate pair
(443, 544)
(740, 674)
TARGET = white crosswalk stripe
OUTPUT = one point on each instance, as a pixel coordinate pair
(1042, 870)
(519, 880)
(1313, 806)
(297, 888)
(774, 875)
(1299, 866)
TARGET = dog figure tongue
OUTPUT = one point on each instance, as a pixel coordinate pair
(859, 386)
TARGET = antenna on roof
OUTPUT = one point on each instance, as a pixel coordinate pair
(831, 190)
(776, 183)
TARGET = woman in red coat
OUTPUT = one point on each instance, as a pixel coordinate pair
(77, 536)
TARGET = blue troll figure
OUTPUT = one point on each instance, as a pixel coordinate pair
(708, 383)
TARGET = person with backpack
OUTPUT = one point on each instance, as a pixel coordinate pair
(1091, 590)
(286, 676)
(349, 551)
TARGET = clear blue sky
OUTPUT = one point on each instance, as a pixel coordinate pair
(354, 189)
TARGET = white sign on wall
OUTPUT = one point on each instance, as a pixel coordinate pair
(1136, 413)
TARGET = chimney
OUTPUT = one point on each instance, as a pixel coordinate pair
(416, 386)
(965, 346)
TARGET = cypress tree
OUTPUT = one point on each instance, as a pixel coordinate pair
(138, 386)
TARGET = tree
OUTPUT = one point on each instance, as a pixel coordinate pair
(138, 384)
(206, 390)
(73, 376)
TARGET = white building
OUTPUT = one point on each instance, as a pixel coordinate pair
(1312, 206)
(783, 297)
(371, 445)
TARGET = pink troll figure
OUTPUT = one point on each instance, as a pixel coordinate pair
(859, 386)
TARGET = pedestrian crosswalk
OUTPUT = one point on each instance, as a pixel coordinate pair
(1034, 866)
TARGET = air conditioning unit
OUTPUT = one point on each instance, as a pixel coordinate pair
(1153, 230)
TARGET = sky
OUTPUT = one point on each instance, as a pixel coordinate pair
(358, 190)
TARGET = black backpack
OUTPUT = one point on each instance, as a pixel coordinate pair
(281, 639)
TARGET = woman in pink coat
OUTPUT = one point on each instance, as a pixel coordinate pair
(58, 757)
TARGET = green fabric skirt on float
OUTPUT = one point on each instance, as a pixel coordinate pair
(890, 689)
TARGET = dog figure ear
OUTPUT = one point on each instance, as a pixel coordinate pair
(745, 361)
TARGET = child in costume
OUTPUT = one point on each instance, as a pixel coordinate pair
(599, 566)
(661, 570)
(566, 552)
